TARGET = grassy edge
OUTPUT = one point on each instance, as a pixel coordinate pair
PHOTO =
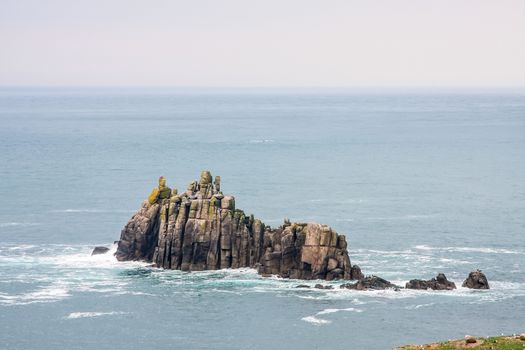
(513, 342)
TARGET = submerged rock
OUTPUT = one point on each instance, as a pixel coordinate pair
(440, 282)
(476, 280)
(201, 229)
(99, 250)
(370, 283)
(320, 286)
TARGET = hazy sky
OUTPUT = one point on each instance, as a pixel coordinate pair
(263, 43)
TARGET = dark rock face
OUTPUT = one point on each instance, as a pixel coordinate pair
(355, 273)
(476, 280)
(438, 283)
(320, 286)
(99, 250)
(200, 229)
(370, 283)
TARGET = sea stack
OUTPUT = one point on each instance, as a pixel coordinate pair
(201, 229)
(476, 280)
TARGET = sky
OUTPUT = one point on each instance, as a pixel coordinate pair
(267, 43)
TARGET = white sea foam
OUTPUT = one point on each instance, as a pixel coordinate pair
(15, 224)
(454, 261)
(75, 315)
(506, 285)
(21, 247)
(469, 250)
(77, 271)
(350, 294)
(418, 306)
(331, 311)
(43, 295)
(84, 259)
(316, 321)
(126, 292)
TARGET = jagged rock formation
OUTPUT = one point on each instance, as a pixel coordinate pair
(440, 282)
(476, 280)
(370, 283)
(200, 229)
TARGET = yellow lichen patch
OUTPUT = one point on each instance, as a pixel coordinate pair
(154, 196)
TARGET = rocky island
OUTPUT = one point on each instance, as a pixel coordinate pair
(201, 229)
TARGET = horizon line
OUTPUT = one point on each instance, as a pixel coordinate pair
(350, 87)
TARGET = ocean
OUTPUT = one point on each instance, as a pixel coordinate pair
(420, 182)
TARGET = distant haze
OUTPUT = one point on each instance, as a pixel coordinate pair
(263, 43)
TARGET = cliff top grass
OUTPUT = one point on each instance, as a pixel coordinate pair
(516, 342)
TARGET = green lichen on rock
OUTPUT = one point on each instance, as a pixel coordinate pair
(217, 183)
(160, 192)
(154, 196)
(205, 178)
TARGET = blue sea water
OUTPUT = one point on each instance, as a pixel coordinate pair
(420, 183)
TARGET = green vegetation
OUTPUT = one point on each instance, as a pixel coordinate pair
(492, 343)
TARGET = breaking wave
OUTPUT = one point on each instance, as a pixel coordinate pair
(75, 315)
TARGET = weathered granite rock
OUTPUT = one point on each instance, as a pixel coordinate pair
(440, 282)
(99, 250)
(139, 237)
(476, 280)
(201, 229)
(370, 283)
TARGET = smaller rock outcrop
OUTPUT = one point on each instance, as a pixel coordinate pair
(370, 283)
(355, 273)
(99, 250)
(476, 280)
(440, 282)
